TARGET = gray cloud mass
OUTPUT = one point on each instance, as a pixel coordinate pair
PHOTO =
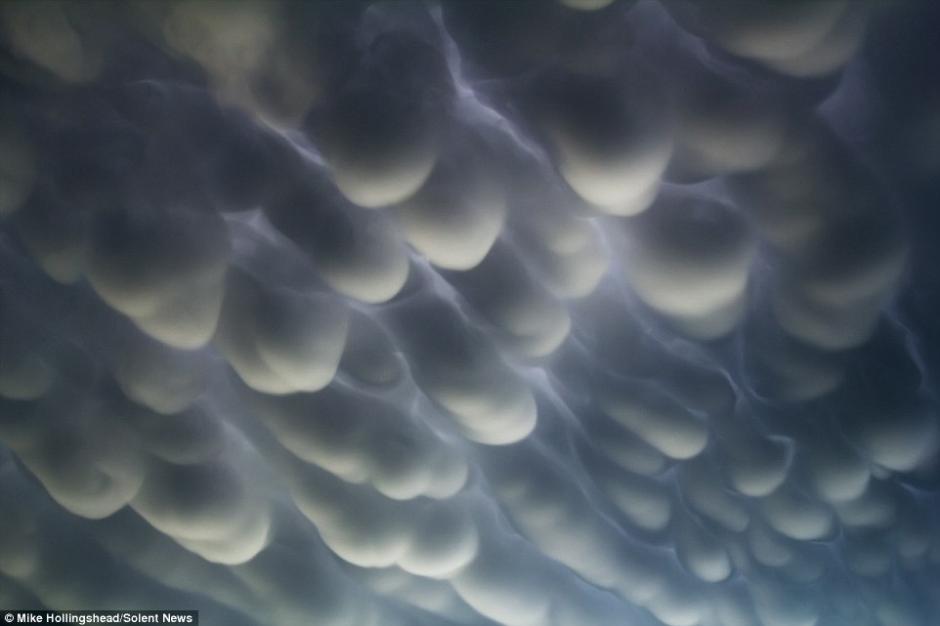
(472, 313)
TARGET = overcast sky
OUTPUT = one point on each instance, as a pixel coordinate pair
(522, 313)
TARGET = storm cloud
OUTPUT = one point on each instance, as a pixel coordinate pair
(520, 313)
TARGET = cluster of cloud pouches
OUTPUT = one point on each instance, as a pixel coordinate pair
(574, 313)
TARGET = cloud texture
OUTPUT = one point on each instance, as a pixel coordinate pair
(531, 313)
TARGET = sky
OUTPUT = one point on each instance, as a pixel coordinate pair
(520, 313)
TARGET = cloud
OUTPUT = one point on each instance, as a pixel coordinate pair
(536, 313)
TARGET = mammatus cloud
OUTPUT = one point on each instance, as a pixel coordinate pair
(532, 313)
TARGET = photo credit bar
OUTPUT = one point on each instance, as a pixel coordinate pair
(12, 616)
